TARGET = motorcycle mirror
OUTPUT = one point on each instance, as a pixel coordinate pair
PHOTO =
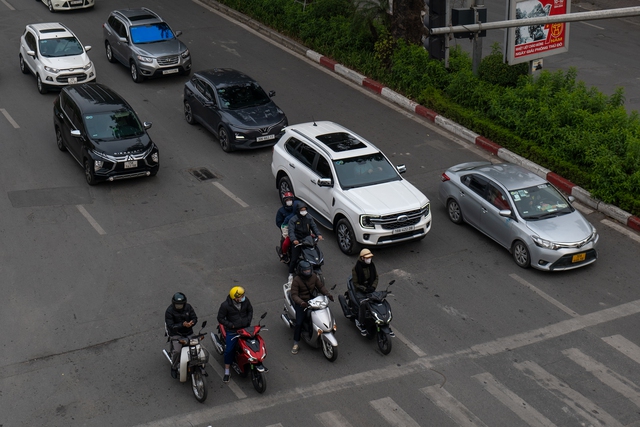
(392, 282)
(264, 315)
(334, 286)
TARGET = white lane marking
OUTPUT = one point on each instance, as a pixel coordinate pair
(7, 4)
(409, 344)
(544, 295)
(621, 229)
(9, 118)
(591, 25)
(582, 208)
(230, 194)
(624, 346)
(332, 419)
(231, 384)
(459, 413)
(515, 403)
(394, 414)
(617, 382)
(582, 407)
(92, 221)
(273, 425)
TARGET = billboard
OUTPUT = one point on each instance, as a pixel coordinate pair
(530, 42)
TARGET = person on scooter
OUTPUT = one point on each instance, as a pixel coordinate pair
(301, 225)
(365, 280)
(179, 319)
(236, 312)
(283, 216)
(304, 287)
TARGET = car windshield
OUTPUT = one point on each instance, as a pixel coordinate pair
(121, 124)
(64, 46)
(242, 96)
(151, 33)
(539, 202)
(362, 171)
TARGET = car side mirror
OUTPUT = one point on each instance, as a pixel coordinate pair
(272, 93)
(76, 133)
(325, 182)
(178, 33)
(571, 199)
(31, 53)
(87, 48)
(210, 104)
(401, 168)
(147, 125)
(505, 213)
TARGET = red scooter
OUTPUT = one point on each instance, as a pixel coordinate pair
(250, 352)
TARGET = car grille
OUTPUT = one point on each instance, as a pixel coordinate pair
(65, 77)
(565, 261)
(399, 220)
(168, 60)
(126, 157)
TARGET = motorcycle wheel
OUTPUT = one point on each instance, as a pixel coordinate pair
(199, 385)
(384, 342)
(259, 380)
(329, 351)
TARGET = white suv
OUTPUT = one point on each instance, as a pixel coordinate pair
(349, 186)
(55, 56)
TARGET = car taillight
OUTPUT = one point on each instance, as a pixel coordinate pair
(444, 177)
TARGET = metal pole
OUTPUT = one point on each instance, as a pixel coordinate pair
(477, 41)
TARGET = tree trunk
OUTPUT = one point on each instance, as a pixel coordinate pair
(406, 21)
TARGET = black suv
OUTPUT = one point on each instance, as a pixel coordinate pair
(102, 132)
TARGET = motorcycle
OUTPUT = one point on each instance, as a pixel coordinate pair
(250, 352)
(377, 315)
(319, 327)
(193, 360)
(312, 254)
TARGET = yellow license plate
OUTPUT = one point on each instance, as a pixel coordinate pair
(579, 257)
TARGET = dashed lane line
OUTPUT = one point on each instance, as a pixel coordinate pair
(9, 118)
(92, 221)
(231, 195)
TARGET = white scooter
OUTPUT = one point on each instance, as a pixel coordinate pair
(319, 327)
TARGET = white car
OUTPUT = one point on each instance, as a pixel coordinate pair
(56, 5)
(349, 186)
(52, 53)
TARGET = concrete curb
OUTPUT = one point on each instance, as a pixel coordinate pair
(563, 184)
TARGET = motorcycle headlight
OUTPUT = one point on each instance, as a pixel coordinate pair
(366, 221)
(145, 58)
(544, 243)
(185, 54)
(194, 341)
(52, 70)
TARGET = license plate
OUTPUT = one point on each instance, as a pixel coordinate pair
(131, 164)
(72, 80)
(74, 2)
(404, 229)
(579, 257)
(265, 138)
(171, 71)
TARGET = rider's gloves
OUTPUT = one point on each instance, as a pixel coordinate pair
(331, 297)
(304, 305)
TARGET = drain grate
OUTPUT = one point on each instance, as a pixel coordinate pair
(203, 174)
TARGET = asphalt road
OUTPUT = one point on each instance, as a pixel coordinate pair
(87, 272)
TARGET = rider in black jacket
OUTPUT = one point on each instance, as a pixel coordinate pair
(179, 319)
(236, 312)
(301, 225)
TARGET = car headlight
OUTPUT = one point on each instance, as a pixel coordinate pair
(544, 243)
(185, 54)
(52, 70)
(145, 59)
(367, 221)
(89, 65)
(425, 209)
(97, 164)
(155, 157)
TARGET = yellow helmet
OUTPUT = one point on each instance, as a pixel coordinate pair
(236, 292)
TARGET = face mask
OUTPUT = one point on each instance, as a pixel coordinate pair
(303, 213)
(289, 203)
(367, 260)
(179, 306)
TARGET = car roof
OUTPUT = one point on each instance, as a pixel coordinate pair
(227, 76)
(95, 98)
(512, 177)
(139, 16)
(322, 135)
(51, 30)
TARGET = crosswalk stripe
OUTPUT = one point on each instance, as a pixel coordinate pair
(582, 406)
(609, 377)
(527, 413)
(624, 346)
(452, 407)
(332, 419)
(391, 412)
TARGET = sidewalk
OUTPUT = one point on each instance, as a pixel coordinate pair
(561, 183)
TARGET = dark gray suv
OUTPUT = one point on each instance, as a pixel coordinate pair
(142, 41)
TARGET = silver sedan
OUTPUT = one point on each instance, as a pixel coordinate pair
(522, 212)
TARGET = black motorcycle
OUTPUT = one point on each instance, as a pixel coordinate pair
(377, 315)
(311, 253)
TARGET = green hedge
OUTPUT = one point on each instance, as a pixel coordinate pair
(552, 119)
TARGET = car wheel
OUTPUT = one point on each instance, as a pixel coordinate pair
(88, 173)
(346, 237)
(223, 137)
(188, 114)
(521, 254)
(23, 66)
(455, 213)
(41, 86)
(109, 52)
(284, 185)
(135, 73)
(59, 141)
(51, 9)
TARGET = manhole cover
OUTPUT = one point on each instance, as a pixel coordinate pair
(202, 174)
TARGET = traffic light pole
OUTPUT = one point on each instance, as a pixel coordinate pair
(477, 41)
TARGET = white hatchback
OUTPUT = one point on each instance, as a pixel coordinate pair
(52, 53)
(58, 5)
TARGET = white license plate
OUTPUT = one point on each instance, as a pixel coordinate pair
(171, 71)
(72, 80)
(265, 138)
(76, 2)
(404, 229)
(131, 164)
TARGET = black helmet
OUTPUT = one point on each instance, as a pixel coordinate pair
(304, 268)
(179, 300)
